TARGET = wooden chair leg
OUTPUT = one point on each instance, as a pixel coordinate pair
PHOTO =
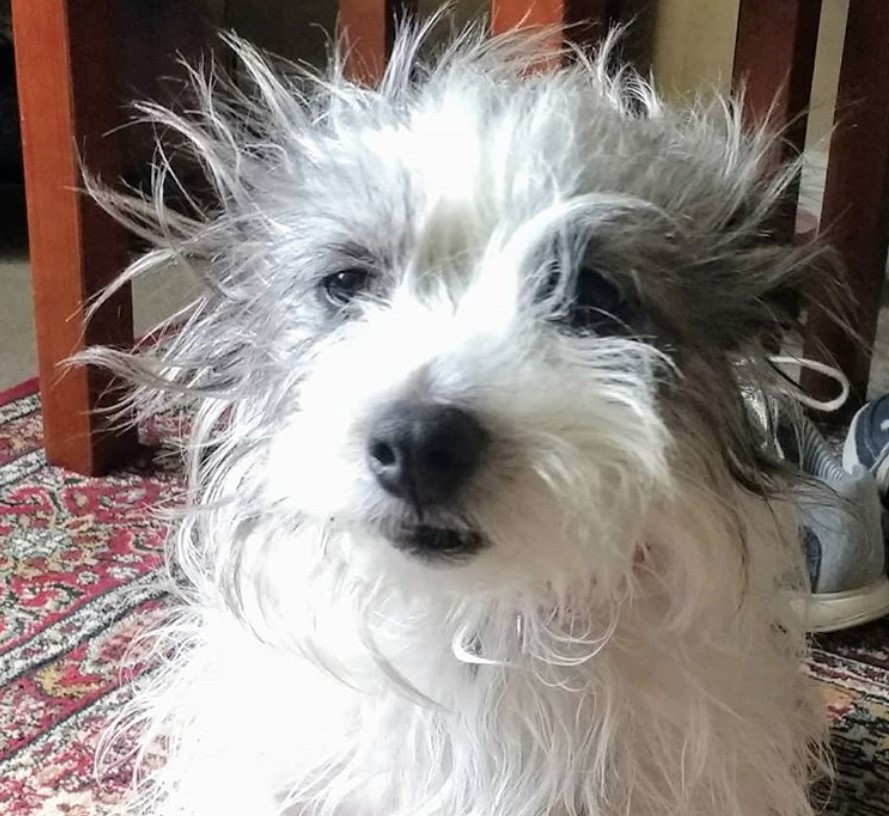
(585, 21)
(855, 212)
(368, 29)
(774, 61)
(368, 26)
(66, 73)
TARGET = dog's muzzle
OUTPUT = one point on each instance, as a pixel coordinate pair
(425, 454)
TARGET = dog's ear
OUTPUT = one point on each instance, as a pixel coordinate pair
(782, 273)
(812, 276)
(756, 295)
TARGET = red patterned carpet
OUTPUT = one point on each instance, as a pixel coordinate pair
(78, 567)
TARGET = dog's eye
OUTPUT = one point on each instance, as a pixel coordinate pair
(341, 288)
(598, 305)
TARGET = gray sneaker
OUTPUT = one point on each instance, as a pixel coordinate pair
(867, 443)
(841, 517)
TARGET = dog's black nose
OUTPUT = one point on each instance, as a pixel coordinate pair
(425, 452)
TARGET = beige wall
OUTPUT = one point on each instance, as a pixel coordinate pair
(692, 47)
(827, 71)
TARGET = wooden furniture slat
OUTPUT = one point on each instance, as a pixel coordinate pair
(585, 21)
(509, 14)
(773, 62)
(66, 76)
(855, 213)
(368, 28)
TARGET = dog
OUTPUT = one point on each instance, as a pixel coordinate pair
(481, 521)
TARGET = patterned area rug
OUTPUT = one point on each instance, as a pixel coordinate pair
(78, 568)
(78, 563)
(853, 669)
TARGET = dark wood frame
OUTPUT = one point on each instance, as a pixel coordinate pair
(855, 211)
(583, 20)
(773, 64)
(66, 71)
(368, 29)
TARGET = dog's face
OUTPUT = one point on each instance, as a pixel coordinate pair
(481, 323)
(480, 389)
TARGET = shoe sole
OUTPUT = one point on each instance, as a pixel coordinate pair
(835, 611)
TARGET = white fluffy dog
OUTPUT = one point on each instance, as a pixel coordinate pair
(480, 522)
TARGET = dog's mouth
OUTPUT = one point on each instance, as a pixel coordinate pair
(427, 541)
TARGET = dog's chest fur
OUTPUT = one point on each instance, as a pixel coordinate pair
(599, 713)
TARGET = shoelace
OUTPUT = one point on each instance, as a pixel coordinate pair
(761, 404)
(829, 371)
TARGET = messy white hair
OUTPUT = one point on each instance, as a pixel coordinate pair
(593, 275)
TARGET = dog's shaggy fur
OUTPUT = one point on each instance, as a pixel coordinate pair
(592, 276)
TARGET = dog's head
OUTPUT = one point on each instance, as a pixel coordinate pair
(482, 321)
